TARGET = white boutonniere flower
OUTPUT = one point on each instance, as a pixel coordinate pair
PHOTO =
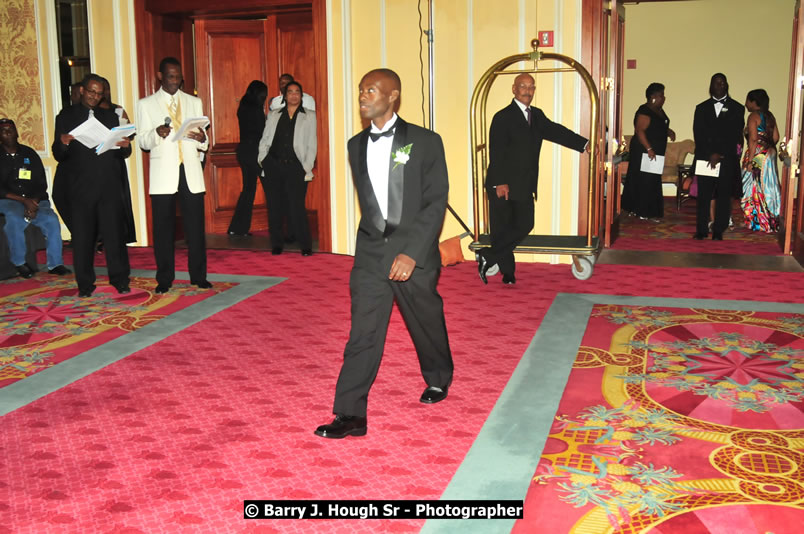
(724, 109)
(402, 155)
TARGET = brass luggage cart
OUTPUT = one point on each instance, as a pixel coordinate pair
(583, 249)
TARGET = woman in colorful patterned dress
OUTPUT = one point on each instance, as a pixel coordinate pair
(761, 191)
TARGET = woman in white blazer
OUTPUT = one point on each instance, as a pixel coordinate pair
(287, 154)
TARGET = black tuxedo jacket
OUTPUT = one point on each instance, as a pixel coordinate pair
(514, 149)
(81, 173)
(718, 134)
(417, 200)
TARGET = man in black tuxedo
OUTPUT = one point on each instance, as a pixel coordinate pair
(718, 130)
(95, 190)
(515, 141)
(400, 174)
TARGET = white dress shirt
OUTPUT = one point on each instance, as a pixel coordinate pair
(719, 105)
(378, 162)
(523, 107)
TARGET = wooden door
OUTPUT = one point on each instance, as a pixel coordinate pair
(791, 238)
(611, 116)
(294, 38)
(229, 55)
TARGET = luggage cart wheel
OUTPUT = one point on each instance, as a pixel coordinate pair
(582, 267)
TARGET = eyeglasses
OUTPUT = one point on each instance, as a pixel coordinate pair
(96, 93)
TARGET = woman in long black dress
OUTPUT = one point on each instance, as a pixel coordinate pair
(642, 193)
(251, 118)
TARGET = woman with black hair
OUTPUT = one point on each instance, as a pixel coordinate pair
(287, 153)
(251, 118)
(642, 193)
(761, 192)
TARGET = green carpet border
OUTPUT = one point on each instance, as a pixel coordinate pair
(504, 456)
(23, 392)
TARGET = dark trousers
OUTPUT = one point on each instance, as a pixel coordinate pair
(287, 189)
(241, 220)
(511, 221)
(89, 215)
(163, 213)
(719, 189)
(421, 306)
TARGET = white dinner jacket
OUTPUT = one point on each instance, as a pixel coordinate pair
(164, 173)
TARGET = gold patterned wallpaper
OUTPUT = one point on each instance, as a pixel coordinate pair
(20, 98)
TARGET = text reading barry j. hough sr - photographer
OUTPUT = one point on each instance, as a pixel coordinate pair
(382, 509)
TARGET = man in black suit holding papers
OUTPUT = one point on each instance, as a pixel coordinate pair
(400, 174)
(95, 189)
(175, 172)
(718, 130)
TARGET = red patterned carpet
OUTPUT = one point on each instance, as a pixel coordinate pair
(674, 234)
(43, 321)
(677, 420)
(175, 437)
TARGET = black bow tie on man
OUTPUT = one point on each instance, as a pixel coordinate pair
(376, 135)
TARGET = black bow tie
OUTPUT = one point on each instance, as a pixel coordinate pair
(721, 101)
(388, 133)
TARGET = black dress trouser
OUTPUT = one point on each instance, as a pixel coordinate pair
(511, 221)
(95, 207)
(241, 220)
(287, 189)
(163, 212)
(422, 308)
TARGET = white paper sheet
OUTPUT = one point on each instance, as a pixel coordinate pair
(190, 124)
(90, 133)
(655, 166)
(702, 168)
(116, 134)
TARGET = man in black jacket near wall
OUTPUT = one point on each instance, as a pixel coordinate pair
(515, 141)
(718, 130)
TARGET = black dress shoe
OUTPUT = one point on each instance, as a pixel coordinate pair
(510, 280)
(276, 251)
(60, 270)
(482, 268)
(122, 289)
(699, 236)
(433, 395)
(84, 293)
(161, 290)
(717, 236)
(342, 426)
(247, 234)
(307, 252)
(24, 271)
(203, 284)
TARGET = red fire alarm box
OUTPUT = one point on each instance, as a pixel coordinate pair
(546, 38)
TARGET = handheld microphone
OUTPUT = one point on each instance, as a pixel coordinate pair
(167, 122)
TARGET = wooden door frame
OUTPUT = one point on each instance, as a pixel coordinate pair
(789, 238)
(149, 13)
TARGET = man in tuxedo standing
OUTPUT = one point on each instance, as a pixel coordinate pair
(718, 131)
(400, 175)
(512, 179)
(94, 190)
(175, 172)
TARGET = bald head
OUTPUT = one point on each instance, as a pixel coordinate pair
(523, 88)
(378, 94)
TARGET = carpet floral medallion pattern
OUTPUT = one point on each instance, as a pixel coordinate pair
(43, 321)
(677, 420)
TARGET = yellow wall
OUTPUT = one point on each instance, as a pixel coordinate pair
(682, 44)
(470, 35)
(112, 56)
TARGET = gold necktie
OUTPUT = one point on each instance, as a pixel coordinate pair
(175, 117)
